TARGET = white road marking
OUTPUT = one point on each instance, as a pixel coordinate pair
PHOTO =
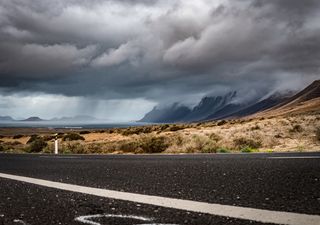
(88, 219)
(19, 221)
(294, 157)
(260, 215)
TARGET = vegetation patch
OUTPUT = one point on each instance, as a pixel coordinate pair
(72, 137)
(249, 150)
(296, 129)
(244, 143)
(318, 134)
(17, 136)
(154, 144)
(221, 122)
(37, 145)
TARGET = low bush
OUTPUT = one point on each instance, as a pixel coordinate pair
(17, 136)
(72, 137)
(242, 143)
(136, 130)
(177, 140)
(176, 128)
(129, 146)
(153, 144)
(296, 129)
(256, 127)
(48, 138)
(32, 138)
(223, 150)
(221, 122)
(318, 134)
(163, 127)
(84, 132)
(73, 147)
(60, 135)
(209, 148)
(37, 145)
(249, 150)
(215, 137)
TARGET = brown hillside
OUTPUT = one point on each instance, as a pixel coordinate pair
(304, 102)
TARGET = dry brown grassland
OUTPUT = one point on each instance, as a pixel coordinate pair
(278, 134)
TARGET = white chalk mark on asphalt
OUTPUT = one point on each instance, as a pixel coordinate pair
(88, 219)
(19, 221)
(246, 213)
(294, 157)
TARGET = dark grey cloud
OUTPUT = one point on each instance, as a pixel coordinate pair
(159, 50)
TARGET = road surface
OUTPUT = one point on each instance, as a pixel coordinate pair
(160, 189)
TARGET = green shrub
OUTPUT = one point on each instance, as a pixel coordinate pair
(73, 137)
(242, 143)
(153, 144)
(248, 150)
(223, 150)
(1, 148)
(37, 145)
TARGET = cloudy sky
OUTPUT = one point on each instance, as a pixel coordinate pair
(117, 59)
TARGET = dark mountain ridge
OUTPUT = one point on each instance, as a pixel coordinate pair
(170, 114)
(225, 107)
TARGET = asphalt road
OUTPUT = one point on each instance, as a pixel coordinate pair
(277, 182)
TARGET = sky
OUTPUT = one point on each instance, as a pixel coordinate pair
(116, 60)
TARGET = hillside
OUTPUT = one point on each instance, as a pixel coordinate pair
(306, 101)
(33, 119)
(6, 118)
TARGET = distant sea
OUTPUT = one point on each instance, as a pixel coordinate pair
(73, 125)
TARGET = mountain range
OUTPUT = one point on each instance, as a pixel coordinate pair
(78, 118)
(226, 107)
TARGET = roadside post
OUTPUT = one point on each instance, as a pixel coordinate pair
(56, 144)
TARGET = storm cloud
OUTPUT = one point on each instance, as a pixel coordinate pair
(156, 51)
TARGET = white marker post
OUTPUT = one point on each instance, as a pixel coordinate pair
(56, 145)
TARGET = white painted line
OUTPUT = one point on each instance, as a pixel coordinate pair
(260, 215)
(294, 157)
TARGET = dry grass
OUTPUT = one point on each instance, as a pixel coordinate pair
(295, 133)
